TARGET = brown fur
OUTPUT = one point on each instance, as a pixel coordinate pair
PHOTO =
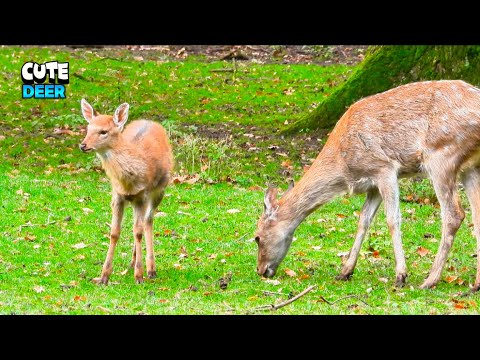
(429, 128)
(138, 161)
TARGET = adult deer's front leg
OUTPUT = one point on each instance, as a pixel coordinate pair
(471, 182)
(138, 214)
(118, 204)
(452, 217)
(367, 214)
(388, 187)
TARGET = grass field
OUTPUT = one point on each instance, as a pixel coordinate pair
(224, 127)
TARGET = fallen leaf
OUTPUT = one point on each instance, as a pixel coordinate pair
(87, 210)
(79, 297)
(212, 256)
(124, 272)
(160, 214)
(233, 211)
(79, 246)
(460, 305)
(451, 278)
(382, 279)
(273, 282)
(316, 247)
(163, 300)
(38, 289)
(422, 251)
(290, 273)
(376, 254)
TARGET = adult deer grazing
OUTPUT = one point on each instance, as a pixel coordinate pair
(138, 161)
(430, 128)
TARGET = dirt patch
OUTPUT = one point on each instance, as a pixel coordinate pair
(283, 54)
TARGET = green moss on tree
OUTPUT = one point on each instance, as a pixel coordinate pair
(385, 67)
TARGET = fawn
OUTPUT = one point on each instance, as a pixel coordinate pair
(429, 128)
(138, 161)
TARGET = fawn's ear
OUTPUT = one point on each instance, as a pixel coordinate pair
(87, 110)
(121, 115)
(270, 202)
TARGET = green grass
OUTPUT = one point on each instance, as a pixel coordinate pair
(55, 200)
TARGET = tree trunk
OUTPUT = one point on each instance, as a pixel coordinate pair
(385, 67)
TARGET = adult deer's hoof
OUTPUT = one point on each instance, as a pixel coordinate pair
(400, 280)
(100, 280)
(343, 277)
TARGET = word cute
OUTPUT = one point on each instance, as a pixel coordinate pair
(34, 76)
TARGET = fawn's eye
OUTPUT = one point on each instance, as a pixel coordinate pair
(103, 132)
(257, 239)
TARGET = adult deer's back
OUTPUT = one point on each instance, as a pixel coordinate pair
(138, 161)
(426, 128)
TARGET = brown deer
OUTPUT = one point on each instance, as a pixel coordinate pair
(429, 128)
(138, 161)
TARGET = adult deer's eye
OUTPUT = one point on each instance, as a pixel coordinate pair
(103, 132)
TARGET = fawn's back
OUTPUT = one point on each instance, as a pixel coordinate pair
(144, 155)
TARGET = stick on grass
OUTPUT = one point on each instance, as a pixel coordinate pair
(285, 303)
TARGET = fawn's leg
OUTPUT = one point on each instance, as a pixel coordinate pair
(150, 257)
(369, 209)
(138, 214)
(444, 182)
(118, 204)
(471, 182)
(388, 187)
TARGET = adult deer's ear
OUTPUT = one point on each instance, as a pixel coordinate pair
(270, 202)
(87, 110)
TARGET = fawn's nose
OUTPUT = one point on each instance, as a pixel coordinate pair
(83, 146)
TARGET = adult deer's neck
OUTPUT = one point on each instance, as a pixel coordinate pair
(321, 183)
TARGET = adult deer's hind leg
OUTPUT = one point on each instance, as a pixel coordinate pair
(471, 183)
(444, 182)
(369, 209)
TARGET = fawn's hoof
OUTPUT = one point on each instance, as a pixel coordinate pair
(152, 274)
(100, 280)
(139, 280)
(343, 277)
(400, 280)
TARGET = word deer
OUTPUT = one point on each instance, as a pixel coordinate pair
(138, 161)
(429, 128)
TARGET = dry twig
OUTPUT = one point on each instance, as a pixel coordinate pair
(285, 303)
